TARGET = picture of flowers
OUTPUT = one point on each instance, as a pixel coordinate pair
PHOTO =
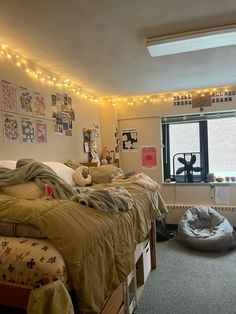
(130, 140)
(9, 97)
(28, 129)
(25, 101)
(39, 105)
(11, 130)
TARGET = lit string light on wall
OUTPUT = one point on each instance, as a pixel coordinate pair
(167, 97)
(38, 72)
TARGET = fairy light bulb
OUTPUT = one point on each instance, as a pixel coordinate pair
(43, 75)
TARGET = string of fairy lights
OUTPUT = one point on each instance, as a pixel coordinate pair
(45, 76)
(40, 73)
(166, 97)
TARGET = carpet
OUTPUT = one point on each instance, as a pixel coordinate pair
(187, 281)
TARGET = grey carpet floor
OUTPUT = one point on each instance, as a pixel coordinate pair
(188, 282)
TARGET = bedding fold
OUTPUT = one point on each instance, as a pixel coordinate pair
(138, 178)
(112, 199)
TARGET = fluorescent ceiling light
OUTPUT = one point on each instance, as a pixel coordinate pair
(192, 41)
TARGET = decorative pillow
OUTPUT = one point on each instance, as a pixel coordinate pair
(104, 173)
(63, 171)
(12, 229)
(81, 176)
(28, 190)
(10, 164)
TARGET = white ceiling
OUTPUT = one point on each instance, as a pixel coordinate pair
(101, 44)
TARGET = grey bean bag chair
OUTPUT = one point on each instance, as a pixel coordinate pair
(204, 229)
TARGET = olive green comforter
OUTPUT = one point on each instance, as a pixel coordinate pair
(98, 247)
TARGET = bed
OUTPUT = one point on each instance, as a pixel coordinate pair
(97, 247)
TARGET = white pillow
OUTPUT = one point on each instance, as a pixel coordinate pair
(63, 171)
(10, 164)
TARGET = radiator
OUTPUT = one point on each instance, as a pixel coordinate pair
(177, 210)
(230, 208)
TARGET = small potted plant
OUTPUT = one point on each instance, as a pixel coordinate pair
(211, 177)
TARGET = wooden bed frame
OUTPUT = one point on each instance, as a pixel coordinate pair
(14, 297)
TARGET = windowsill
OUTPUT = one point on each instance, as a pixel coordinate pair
(199, 183)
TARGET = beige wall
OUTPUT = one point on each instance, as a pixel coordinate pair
(59, 148)
(148, 134)
(146, 119)
(108, 118)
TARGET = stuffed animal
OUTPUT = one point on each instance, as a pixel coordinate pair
(81, 176)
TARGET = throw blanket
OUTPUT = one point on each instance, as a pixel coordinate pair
(52, 298)
(28, 169)
(139, 178)
(110, 199)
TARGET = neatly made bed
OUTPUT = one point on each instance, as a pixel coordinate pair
(97, 246)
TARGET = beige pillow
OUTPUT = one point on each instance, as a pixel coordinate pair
(104, 173)
(28, 190)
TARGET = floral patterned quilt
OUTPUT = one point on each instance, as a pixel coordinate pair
(31, 261)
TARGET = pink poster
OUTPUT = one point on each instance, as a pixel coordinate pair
(149, 156)
(41, 131)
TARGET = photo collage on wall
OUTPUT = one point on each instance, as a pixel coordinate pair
(63, 114)
(204, 100)
(21, 109)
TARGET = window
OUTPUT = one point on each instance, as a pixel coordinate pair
(222, 146)
(181, 139)
(210, 137)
